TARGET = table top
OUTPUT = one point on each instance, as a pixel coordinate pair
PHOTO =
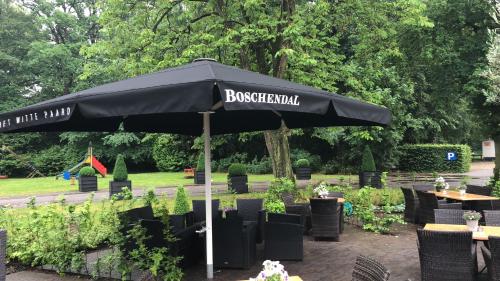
(455, 195)
(476, 235)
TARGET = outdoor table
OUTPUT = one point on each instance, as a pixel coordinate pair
(455, 195)
(481, 235)
(339, 200)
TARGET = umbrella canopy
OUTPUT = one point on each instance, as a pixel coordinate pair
(231, 100)
(169, 100)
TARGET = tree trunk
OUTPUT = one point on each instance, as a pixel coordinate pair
(279, 150)
(496, 170)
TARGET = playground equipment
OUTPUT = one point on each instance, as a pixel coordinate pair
(33, 170)
(90, 159)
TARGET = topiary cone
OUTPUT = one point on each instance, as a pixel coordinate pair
(367, 162)
(120, 172)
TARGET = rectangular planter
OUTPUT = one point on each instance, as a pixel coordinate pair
(116, 186)
(373, 179)
(238, 184)
(87, 184)
(199, 177)
(303, 173)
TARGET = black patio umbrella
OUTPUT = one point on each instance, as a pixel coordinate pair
(203, 97)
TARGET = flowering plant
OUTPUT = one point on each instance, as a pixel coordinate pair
(440, 183)
(273, 271)
(321, 190)
(472, 216)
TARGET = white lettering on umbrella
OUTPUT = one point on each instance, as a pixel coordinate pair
(254, 97)
(53, 113)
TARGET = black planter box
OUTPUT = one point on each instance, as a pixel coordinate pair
(199, 177)
(230, 214)
(303, 173)
(116, 186)
(177, 222)
(238, 184)
(372, 179)
(87, 184)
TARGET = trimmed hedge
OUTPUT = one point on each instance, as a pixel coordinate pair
(87, 171)
(237, 169)
(120, 172)
(367, 162)
(432, 158)
(302, 163)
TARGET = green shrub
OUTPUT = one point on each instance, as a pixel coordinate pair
(237, 169)
(87, 171)
(314, 160)
(171, 153)
(200, 165)
(272, 200)
(367, 162)
(120, 170)
(302, 163)
(181, 201)
(264, 166)
(432, 158)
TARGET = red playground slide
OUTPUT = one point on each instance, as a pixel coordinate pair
(99, 167)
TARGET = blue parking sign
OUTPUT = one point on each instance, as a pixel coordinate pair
(451, 156)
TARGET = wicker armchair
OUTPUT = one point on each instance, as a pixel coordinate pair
(449, 216)
(325, 215)
(492, 218)
(411, 205)
(368, 269)
(478, 189)
(283, 237)
(491, 258)
(302, 209)
(234, 243)
(336, 194)
(447, 256)
(199, 210)
(252, 210)
(428, 202)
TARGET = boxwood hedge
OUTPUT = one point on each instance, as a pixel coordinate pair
(433, 158)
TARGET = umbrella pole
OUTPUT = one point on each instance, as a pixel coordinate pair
(208, 195)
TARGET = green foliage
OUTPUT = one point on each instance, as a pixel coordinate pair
(302, 163)
(120, 172)
(264, 166)
(367, 162)
(237, 169)
(171, 152)
(181, 201)
(273, 201)
(432, 158)
(314, 160)
(87, 171)
(200, 165)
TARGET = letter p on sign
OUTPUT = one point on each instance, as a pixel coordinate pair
(451, 156)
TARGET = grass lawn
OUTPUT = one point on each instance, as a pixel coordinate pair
(37, 186)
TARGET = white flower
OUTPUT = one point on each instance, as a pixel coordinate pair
(271, 269)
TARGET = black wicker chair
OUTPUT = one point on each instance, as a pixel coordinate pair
(368, 269)
(477, 189)
(428, 203)
(411, 205)
(283, 237)
(199, 210)
(491, 258)
(337, 194)
(252, 210)
(234, 243)
(449, 216)
(302, 209)
(447, 256)
(325, 216)
(492, 218)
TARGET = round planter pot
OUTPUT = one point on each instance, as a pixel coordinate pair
(238, 184)
(303, 173)
(117, 186)
(372, 179)
(199, 177)
(87, 184)
(472, 225)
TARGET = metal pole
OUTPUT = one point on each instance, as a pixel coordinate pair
(208, 195)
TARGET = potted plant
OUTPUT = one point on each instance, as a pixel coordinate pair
(199, 172)
(369, 176)
(272, 271)
(237, 178)
(87, 181)
(320, 191)
(462, 189)
(181, 209)
(472, 219)
(303, 169)
(120, 177)
(440, 184)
